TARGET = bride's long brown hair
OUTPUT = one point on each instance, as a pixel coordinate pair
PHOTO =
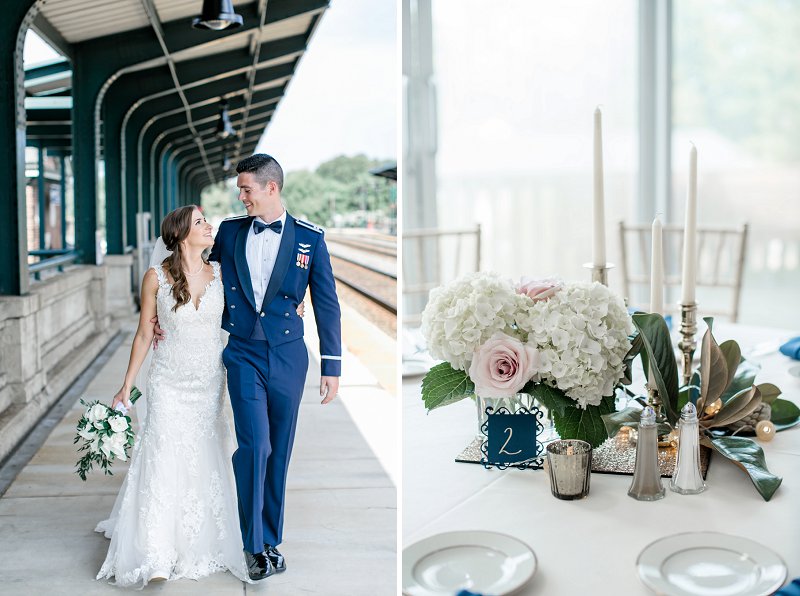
(174, 229)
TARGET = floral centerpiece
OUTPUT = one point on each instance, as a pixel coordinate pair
(566, 344)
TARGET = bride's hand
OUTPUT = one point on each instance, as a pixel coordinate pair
(301, 309)
(121, 398)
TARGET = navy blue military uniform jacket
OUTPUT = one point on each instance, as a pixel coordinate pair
(302, 262)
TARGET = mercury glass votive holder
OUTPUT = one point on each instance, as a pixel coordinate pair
(569, 463)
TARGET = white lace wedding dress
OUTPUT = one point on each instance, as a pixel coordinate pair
(176, 514)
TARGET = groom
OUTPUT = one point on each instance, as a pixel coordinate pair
(268, 260)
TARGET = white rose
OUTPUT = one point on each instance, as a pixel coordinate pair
(97, 412)
(87, 432)
(116, 444)
(118, 424)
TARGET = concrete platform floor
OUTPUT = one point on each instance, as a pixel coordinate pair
(340, 525)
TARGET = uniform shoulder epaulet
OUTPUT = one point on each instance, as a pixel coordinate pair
(310, 226)
(235, 217)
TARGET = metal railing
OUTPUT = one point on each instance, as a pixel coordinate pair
(51, 259)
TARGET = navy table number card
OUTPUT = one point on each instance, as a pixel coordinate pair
(512, 438)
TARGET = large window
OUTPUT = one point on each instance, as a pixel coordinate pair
(736, 92)
(518, 83)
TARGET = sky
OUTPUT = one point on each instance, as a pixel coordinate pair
(343, 97)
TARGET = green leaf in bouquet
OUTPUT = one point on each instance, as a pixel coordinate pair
(135, 394)
(551, 398)
(713, 367)
(749, 456)
(784, 412)
(586, 425)
(769, 392)
(444, 385)
(658, 347)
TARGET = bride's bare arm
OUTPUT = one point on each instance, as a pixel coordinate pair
(142, 339)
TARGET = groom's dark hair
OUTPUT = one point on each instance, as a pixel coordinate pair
(264, 167)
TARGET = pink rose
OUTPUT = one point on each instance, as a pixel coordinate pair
(502, 366)
(538, 289)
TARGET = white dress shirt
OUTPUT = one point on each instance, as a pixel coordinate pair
(262, 250)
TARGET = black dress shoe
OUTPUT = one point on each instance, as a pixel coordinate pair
(258, 565)
(275, 558)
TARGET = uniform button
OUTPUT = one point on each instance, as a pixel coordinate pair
(233, 306)
(286, 332)
(286, 314)
(233, 288)
(262, 314)
(285, 297)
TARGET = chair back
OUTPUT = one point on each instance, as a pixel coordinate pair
(432, 257)
(721, 255)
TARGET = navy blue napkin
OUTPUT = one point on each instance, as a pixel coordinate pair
(467, 593)
(792, 589)
(792, 348)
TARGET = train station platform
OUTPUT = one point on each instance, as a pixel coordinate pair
(340, 526)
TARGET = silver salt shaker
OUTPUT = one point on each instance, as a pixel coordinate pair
(687, 479)
(646, 485)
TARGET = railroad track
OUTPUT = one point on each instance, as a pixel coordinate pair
(374, 245)
(368, 268)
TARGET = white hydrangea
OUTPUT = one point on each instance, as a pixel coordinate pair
(463, 314)
(582, 334)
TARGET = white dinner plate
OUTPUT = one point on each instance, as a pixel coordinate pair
(795, 371)
(710, 564)
(484, 562)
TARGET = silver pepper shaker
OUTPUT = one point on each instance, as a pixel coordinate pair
(646, 485)
(687, 479)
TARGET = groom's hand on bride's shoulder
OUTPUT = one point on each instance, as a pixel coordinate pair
(158, 333)
(328, 388)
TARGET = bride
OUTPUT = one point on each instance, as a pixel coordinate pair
(176, 515)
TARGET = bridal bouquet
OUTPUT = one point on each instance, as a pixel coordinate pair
(566, 344)
(106, 434)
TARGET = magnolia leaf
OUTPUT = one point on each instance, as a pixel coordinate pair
(444, 385)
(616, 420)
(733, 355)
(658, 348)
(744, 377)
(586, 425)
(769, 392)
(784, 412)
(627, 362)
(713, 368)
(551, 398)
(739, 406)
(749, 456)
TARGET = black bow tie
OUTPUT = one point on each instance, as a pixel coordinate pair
(275, 226)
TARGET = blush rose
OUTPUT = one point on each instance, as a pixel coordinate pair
(502, 366)
(538, 289)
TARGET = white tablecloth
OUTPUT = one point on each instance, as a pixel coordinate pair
(590, 546)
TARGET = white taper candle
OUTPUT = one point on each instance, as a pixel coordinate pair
(599, 217)
(657, 271)
(690, 234)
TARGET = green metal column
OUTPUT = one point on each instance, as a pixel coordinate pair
(40, 198)
(63, 170)
(13, 236)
